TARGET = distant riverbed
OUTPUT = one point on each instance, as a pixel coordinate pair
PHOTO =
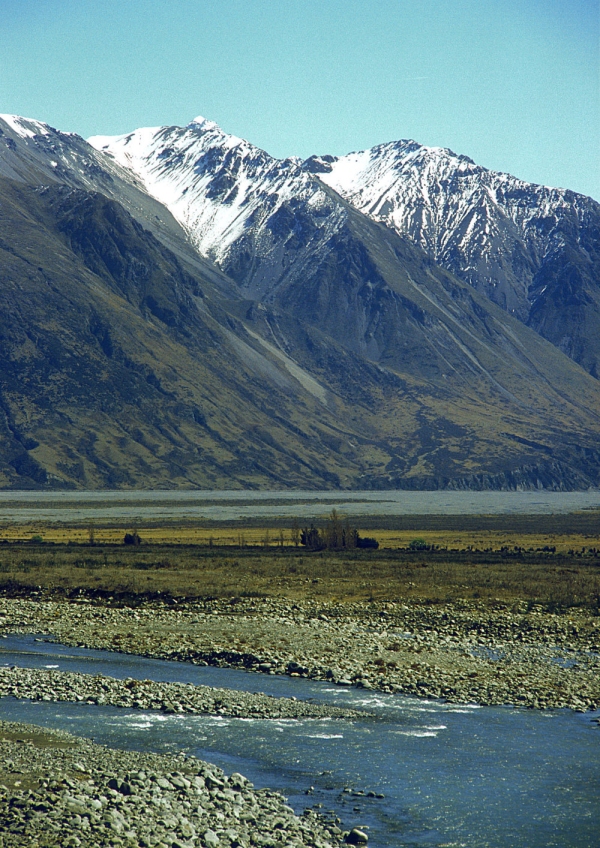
(21, 507)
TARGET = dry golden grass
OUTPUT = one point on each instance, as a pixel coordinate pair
(280, 536)
(557, 580)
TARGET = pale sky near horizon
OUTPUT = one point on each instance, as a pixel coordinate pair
(514, 84)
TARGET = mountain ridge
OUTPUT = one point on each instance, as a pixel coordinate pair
(533, 250)
(522, 244)
(324, 350)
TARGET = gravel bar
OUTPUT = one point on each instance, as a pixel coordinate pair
(462, 652)
(51, 685)
(56, 789)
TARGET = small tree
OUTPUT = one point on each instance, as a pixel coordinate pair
(349, 536)
(334, 536)
(340, 534)
(312, 539)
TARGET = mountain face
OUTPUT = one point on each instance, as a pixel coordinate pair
(181, 309)
(123, 364)
(116, 371)
(259, 218)
(533, 250)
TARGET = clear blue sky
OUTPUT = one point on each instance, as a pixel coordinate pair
(511, 83)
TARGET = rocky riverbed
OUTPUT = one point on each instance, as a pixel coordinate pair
(462, 652)
(56, 789)
(50, 685)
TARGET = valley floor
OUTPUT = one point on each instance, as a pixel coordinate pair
(391, 622)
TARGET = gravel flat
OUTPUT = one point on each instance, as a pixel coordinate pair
(461, 652)
(56, 789)
(59, 790)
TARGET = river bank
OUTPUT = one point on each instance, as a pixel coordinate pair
(59, 789)
(37, 684)
(461, 652)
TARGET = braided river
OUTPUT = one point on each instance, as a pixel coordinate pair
(415, 772)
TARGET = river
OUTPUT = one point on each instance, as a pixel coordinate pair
(493, 777)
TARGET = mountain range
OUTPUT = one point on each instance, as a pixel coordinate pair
(180, 309)
(531, 249)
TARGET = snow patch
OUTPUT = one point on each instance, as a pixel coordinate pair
(26, 127)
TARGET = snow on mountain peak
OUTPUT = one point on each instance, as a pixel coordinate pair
(204, 124)
(26, 127)
(212, 182)
(488, 227)
(232, 196)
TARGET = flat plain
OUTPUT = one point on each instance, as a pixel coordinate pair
(552, 560)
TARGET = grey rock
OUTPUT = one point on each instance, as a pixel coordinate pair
(357, 837)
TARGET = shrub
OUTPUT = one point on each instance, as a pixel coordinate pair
(132, 538)
(367, 542)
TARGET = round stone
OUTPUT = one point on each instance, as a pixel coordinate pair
(357, 837)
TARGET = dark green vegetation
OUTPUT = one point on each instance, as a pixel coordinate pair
(127, 361)
(337, 534)
(132, 575)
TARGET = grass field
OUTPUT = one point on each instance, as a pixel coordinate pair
(190, 562)
(484, 533)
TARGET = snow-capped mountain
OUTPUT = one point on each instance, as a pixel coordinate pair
(34, 152)
(235, 201)
(516, 241)
(492, 228)
(31, 149)
(327, 350)
(531, 249)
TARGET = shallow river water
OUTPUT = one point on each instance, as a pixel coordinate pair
(450, 775)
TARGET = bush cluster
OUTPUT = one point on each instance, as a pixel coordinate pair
(337, 535)
(132, 538)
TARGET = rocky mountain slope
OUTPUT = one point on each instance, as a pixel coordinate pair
(119, 364)
(323, 350)
(262, 220)
(116, 372)
(531, 249)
